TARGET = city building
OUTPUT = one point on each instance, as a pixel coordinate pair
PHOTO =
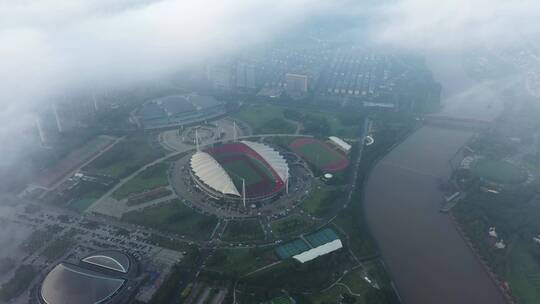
(296, 84)
(245, 76)
(175, 110)
(340, 144)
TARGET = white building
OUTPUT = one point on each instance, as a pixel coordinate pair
(340, 144)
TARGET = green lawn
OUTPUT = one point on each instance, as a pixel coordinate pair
(125, 157)
(240, 169)
(239, 261)
(269, 118)
(291, 225)
(81, 204)
(359, 239)
(523, 275)
(244, 230)
(151, 178)
(318, 154)
(174, 217)
(265, 119)
(498, 171)
(321, 200)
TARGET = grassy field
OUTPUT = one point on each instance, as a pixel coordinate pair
(239, 169)
(174, 217)
(240, 261)
(523, 275)
(353, 281)
(269, 118)
(265, 119)
(82, 203)
(246, 230)
(125, 157)
(498, 171)
(318, 154)
(151, 178)
(321, 200)
(291, 225)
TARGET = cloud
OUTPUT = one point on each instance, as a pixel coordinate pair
(455, 25)
(48, 47)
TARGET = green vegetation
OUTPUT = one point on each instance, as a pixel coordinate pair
(291, 225)
(168, 291)
(523, 274)
(125, 157)
(498, 171)
(174, 217)
(151, 178)
(318, 154)
(362, 291)
(277, 119)
(241, 169)
(322, 200)
(265, 119)
(241, 261)
(244, 230)
(515, 216)
(18, 283)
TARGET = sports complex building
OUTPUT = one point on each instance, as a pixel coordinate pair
(240, 171)
(103, 277)
(177, 110)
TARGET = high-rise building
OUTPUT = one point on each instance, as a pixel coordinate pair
(245, 76)
(220, 75)
(296, 83)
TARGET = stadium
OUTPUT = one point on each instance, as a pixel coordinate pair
(243, 171)
(103, 277)
(177, 110)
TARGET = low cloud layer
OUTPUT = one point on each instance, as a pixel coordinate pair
(51, 46)
(455, 25)
(48, 47)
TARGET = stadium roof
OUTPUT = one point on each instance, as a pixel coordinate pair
(208, 170)
(318, 251)
(110, 259)
(272, 157)
(68, 284)
(340, 143)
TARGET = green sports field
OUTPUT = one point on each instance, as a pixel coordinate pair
(498, 171)
(318, 154)
(239, 169)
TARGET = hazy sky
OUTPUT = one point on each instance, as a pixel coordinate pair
(49, 46)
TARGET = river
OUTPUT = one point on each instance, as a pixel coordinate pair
(426, 256)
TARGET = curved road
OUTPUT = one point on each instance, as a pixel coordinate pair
(428, 259)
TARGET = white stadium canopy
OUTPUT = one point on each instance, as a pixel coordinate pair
(208, 170)
(272, 157)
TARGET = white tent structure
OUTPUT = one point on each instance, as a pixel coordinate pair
(316, 252)
(210, 172)
(212, 178)
(272, 157)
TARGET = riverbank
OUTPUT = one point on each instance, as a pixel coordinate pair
(427, 258)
